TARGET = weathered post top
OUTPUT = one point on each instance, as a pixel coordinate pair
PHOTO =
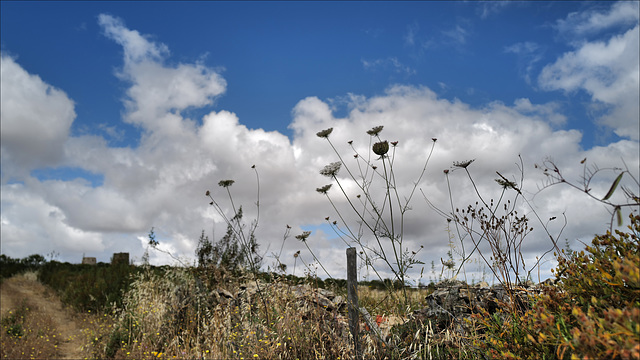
(352, 299)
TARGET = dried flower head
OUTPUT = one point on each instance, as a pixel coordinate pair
(350, 142)
(296, 254)
(394, 143)
(506, 184)
(331, 170)
(463, 164)
(381, 148)
(375, 131)
(434, 139)
(446, 171)
(324, 189)
(207, 193)
(226, 183)
(324, 133)
(303, 237)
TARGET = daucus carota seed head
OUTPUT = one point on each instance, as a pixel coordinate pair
(375, 131)
(324, 189)
(303, 237)
(331, 170)
(226, 183)
(324, 133)
(381, 148)
(463, 164)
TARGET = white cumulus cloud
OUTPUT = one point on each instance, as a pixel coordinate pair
(161, 182)
(607, 70)
(36, 119)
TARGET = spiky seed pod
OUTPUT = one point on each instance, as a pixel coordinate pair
(381, 148)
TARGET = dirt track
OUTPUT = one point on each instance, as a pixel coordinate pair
(41, 301)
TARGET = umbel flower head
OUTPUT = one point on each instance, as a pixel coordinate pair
(303, 237)
(375, 131)
(324, 189)
(381, 148)
(226, 183)
(463, 164)
(324, 133)
(331, 170)
(506, 184)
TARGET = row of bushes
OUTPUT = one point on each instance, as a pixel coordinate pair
(10, 266)
(97, 287)
(87, 287)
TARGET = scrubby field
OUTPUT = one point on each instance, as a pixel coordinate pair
(54, 310)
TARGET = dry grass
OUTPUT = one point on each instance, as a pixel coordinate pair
(27, 331)
(383, 302)
(27, 335)
(172, 317)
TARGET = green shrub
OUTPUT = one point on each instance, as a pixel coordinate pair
(13, 323)
(10, 266)
(592, 312)
(88, 287)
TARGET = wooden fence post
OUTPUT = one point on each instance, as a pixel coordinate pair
(352, 299)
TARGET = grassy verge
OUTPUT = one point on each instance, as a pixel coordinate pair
(27, 332)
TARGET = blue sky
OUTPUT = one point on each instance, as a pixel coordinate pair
(274, 54)
(271, 74)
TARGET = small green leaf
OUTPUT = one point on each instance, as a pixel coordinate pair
(619, 215)
(613, 187)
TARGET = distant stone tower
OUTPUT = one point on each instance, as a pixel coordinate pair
(88, 260)
(120, 258)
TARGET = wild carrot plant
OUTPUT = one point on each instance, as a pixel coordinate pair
(380, 217)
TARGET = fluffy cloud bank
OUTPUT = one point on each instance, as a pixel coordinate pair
(36, 118)
(607, 69)
(161, 182)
